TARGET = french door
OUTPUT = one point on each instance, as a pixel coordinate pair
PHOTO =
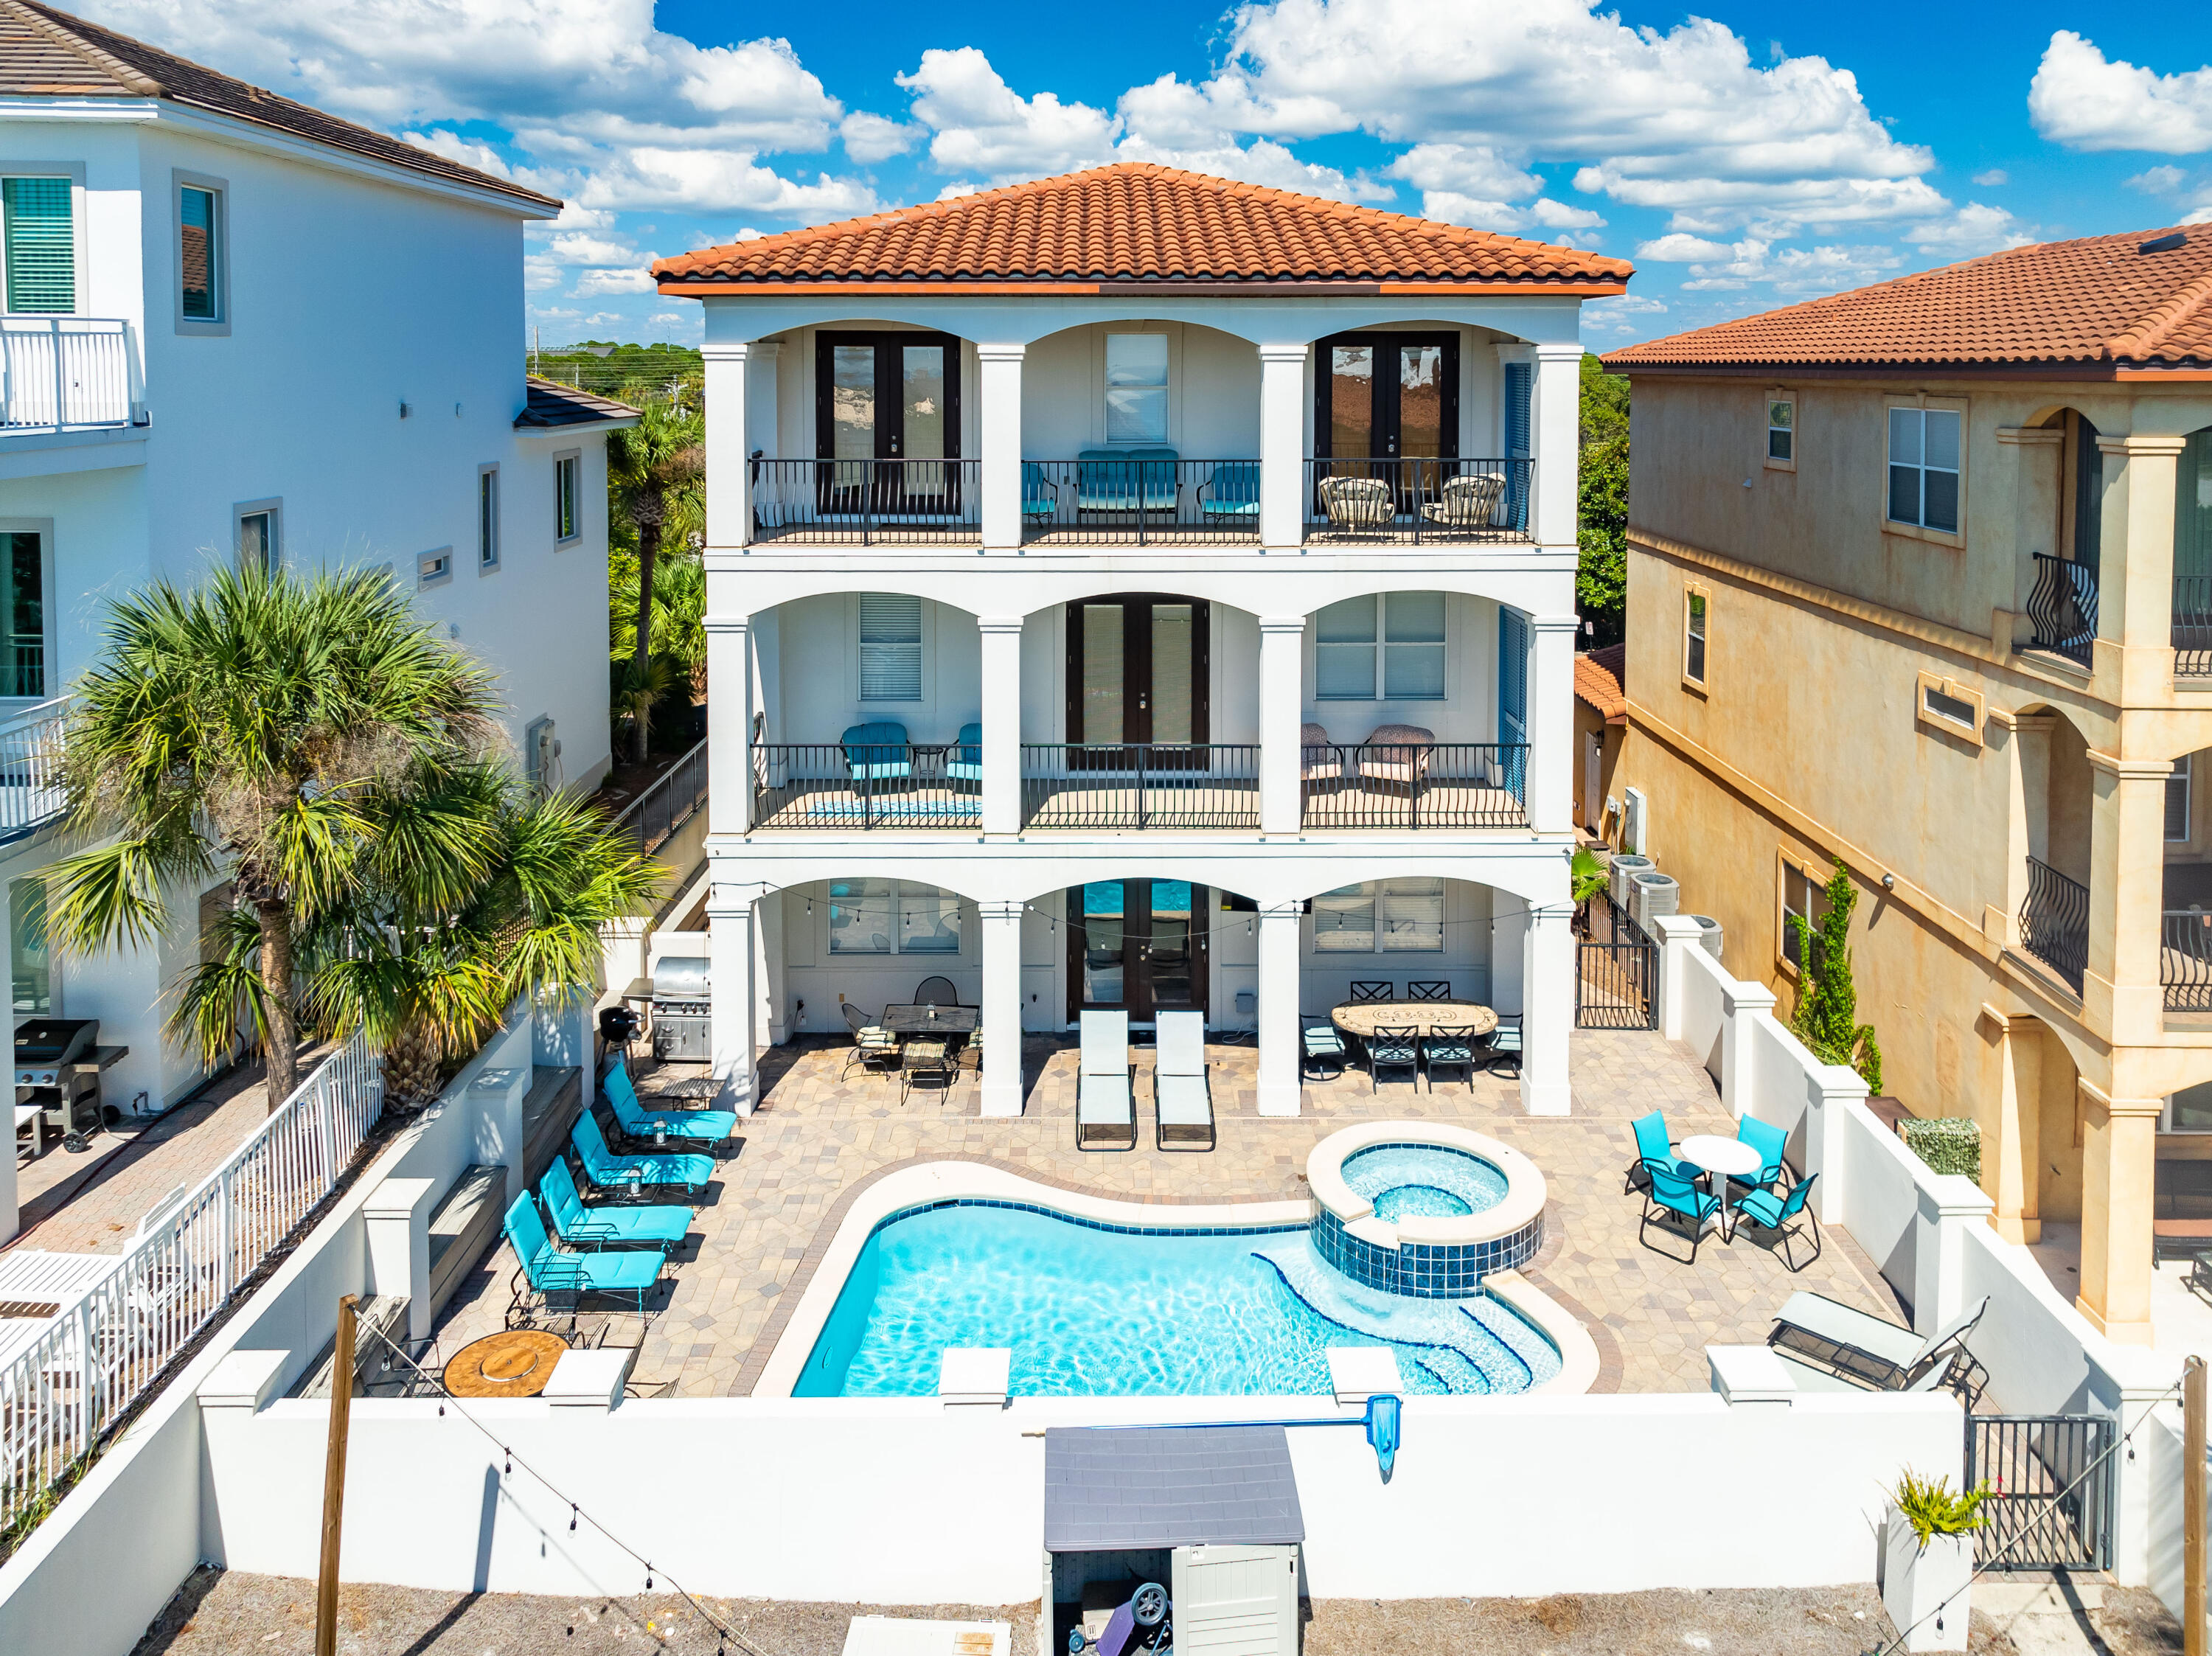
(1386, 406)
(887, 412)
(1138, 668)
(1138, 946)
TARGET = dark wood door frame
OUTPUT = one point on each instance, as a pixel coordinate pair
(1385, 415)
(1137, 664)
(1136, 970)
(889, 382)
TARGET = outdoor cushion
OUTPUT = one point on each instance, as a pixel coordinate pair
(1126, 480)
(1319, 759)
(1233, 491)
(1396, 753)
(965, 763)
(603, 1227)
(879, 751)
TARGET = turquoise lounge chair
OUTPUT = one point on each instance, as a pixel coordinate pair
(1652, 1146)
(1125, 479)
(550, 1269)
(1672, 1193)
(702, 1127)
(878, 752)
(965, 763)
(1776, 1213)
(608, 1171)
(661, 1226)
(1322, 1042)
(1769, 1141)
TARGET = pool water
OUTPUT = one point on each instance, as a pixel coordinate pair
(1089, 1311)
(1409, 1181)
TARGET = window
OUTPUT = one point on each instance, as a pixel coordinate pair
(568, 523)
(200, 254)
(2189, 1110)
(1924, 467)
(487, 516)
(1950, 706)
(1391, 645)
(434, 568)
(23, 605)
(1801, 895)
(1403, 916)
(37, 231)
(1136, 388)
(890, 647)
(28, 964)
(1694, 603)
(2176, 799)
(1781, 428)
(258, 534)
(892, 917)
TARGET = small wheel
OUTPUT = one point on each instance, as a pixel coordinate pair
(1150, 1607)
(1076, 1642)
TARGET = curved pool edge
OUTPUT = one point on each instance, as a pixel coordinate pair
(1578, 1353)
(1526, 1190)
(945, 1181)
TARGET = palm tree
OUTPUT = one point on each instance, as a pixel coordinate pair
(248, 725)
(657, 471)
(679, 615)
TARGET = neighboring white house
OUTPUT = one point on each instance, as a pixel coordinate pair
(237, 328)
(1096, 496)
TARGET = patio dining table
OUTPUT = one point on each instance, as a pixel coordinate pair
(1424, 1017)
(925, 1020)
(1718, 1157)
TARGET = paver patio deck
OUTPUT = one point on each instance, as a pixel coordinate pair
(816, 1136)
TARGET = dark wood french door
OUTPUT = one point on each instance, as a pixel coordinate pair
(888, 397)
(1138, 946)
(1138, 669)
(1383, 404)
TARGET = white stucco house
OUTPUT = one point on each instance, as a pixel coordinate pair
(237, 328)
(1140, 590)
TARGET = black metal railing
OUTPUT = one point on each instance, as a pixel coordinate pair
(841, 786)
(2050, 1489)
(2184, 959)
(1424, 785)
(1139, 500)
(1140, 785)
(2054, 922)
(668, 802)
(2063, 607)
(2192, 625)
(1417, 501)
(1617, 975)
(865, 502)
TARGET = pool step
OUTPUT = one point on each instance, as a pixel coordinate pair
(1454, 1369)
(1461, 1351)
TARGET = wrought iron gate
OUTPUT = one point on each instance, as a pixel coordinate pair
(1617, 969)
(2050, 1483)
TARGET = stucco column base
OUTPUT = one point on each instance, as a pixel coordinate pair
(2119, 1163)
(2014, 1228)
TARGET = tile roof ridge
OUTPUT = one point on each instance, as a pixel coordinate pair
(42, 20)
(2154, 329)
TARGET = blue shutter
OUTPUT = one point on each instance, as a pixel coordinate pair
(1520, 380)
(1513, 696)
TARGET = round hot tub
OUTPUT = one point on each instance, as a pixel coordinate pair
(1424, 1209)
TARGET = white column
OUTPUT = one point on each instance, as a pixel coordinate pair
(729, 723)
(735, 999)
(1280, 1054)
(1556, 420)
(729, 477)
(998, 443)
(1282, 715)
(1001, 926)
(1000, 640)
(1547, 1008)
(1282, 444)
(761, 357)
(1741, 1003)
(1550, 774)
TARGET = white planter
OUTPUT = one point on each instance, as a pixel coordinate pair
(1915, 1580)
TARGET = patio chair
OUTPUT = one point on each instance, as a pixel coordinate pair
(1230, 497)
(1429, 989)
(872, 1043)
(1652, 1146)
(1102, 1100)
(927, 1060)
(1449, 1049)
(548, 1270)
(937, 992)
(1466, 503)
(1394, 1049)
(1769, 1141)
(608, 1171)
(707, 1127)
(1669, 1195)
(1809, 1377)
(1397, 755)
(1504, 1045)
(964, 762)
(1879, 1355)
(1125, 479)
(1182, 1103)
(1320, 759)
(1040, 495)
(1779, 1214)
(1356, 504)
(877, 752)
(1322, 1044)
(1372, 989)
(664, 1225)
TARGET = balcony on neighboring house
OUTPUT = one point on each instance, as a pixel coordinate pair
(2054, 922)
(2062, 607)
(65, 373)
(32, 794)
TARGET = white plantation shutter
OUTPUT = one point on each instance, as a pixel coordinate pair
(1411, 913)
(1344, 921)
(890, 647)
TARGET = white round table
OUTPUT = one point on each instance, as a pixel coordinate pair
(1720, 1158)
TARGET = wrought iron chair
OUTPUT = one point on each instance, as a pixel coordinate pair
(937, 992)
(871, 1043)
(1370, 989)
(1323, 1045)
(1429, 989)
(1394, 1049)
(1505, 1043)
(1450, 1049)
(931, 1059)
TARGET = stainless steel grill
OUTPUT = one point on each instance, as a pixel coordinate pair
(57, 1069)
(682, 1002)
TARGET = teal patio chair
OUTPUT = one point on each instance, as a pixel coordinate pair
(1040, 496)
(548, 1269)
(965, 763)
(1652, 1146)
(1125, 479)
(608, 1171)
(1322, 1044)
(579, 1227)
(1769, 1141)
(1671, 1196)
(707, 1127)
(1779, 1215)
(1232, 496)
(1505, 1044)
(1449, 1049)
(878, 752)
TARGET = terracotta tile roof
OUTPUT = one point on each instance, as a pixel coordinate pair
(2143, 298)
(1599, 676)
(1134, 221)
(45, 49)
(551, 404)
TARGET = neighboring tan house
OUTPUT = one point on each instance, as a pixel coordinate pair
(1920, 577)
(1600, 729)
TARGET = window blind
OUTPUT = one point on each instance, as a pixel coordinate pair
(1413, 652)
(890, 647)
(1410, 916)
(1344, 651)
(40, 243)
(1344, 921)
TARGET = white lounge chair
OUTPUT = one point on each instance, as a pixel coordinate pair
(1879, 1355)
(1104, 1103)
(1181, 1098)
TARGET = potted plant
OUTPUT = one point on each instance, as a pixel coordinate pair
(1928, 1560)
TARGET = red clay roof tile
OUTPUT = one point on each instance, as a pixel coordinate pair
(1599, 674)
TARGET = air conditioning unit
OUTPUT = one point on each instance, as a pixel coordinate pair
(1623, 869)
(541, 756)
(1656, 894)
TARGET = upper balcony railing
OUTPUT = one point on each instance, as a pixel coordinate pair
(865, 502)
(2185, 960)
(31, 790)
(1398, 785)
(1139, 500)
(63, 373)
(1415, 501)
(2063, 607)
(2054, 922)
(2192, 625)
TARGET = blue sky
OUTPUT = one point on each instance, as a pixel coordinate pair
(1741, 168)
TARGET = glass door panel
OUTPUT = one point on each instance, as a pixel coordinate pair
(888, 397)
(1388, 400)
(1420, 424)
(1105, 674)
(922, 435)
(1137, 945)
(1103, 942)
(1170, 955)
(1351, 401)
(1173, 701)
(852, 422)
(1136, 673)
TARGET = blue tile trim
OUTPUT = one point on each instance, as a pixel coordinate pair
(1423, 1273)
(1088, 1224)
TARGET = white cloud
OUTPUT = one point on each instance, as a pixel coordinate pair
(2162, 180)
(869, 138)
(1991, 179)
(634, 280)
(1971, 230)
(1679, 249)
(1617, 316)
(716, 180)
(984, 125)
(580, 247)
(2084, 100)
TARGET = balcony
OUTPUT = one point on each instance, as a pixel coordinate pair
(2054, 922)
(61, 374)
(31, 795)
(1440, 785)
(865, 502)
(2192, 625)
(1139, 499)
(2185, 960)
(2062, 606)
(1414, 502)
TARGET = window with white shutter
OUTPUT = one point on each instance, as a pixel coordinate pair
(890, 647)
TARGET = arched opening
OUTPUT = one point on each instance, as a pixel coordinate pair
(2062, 602)
(2192, 558)
(2058, 797)
(875, 942)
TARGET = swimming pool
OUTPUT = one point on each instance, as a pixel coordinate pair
(1423, 1181)
(1095, 1310)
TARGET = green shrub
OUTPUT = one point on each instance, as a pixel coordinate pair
(1932, 1509)
(1947, 1143)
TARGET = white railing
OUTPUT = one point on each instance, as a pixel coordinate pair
(64, 373)
(99, 1355)
(31, 790)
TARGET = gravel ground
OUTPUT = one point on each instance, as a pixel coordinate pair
(275, 1615)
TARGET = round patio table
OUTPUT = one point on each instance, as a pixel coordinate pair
(1424, 1017)
(1720, 1158)
(514, 1364)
